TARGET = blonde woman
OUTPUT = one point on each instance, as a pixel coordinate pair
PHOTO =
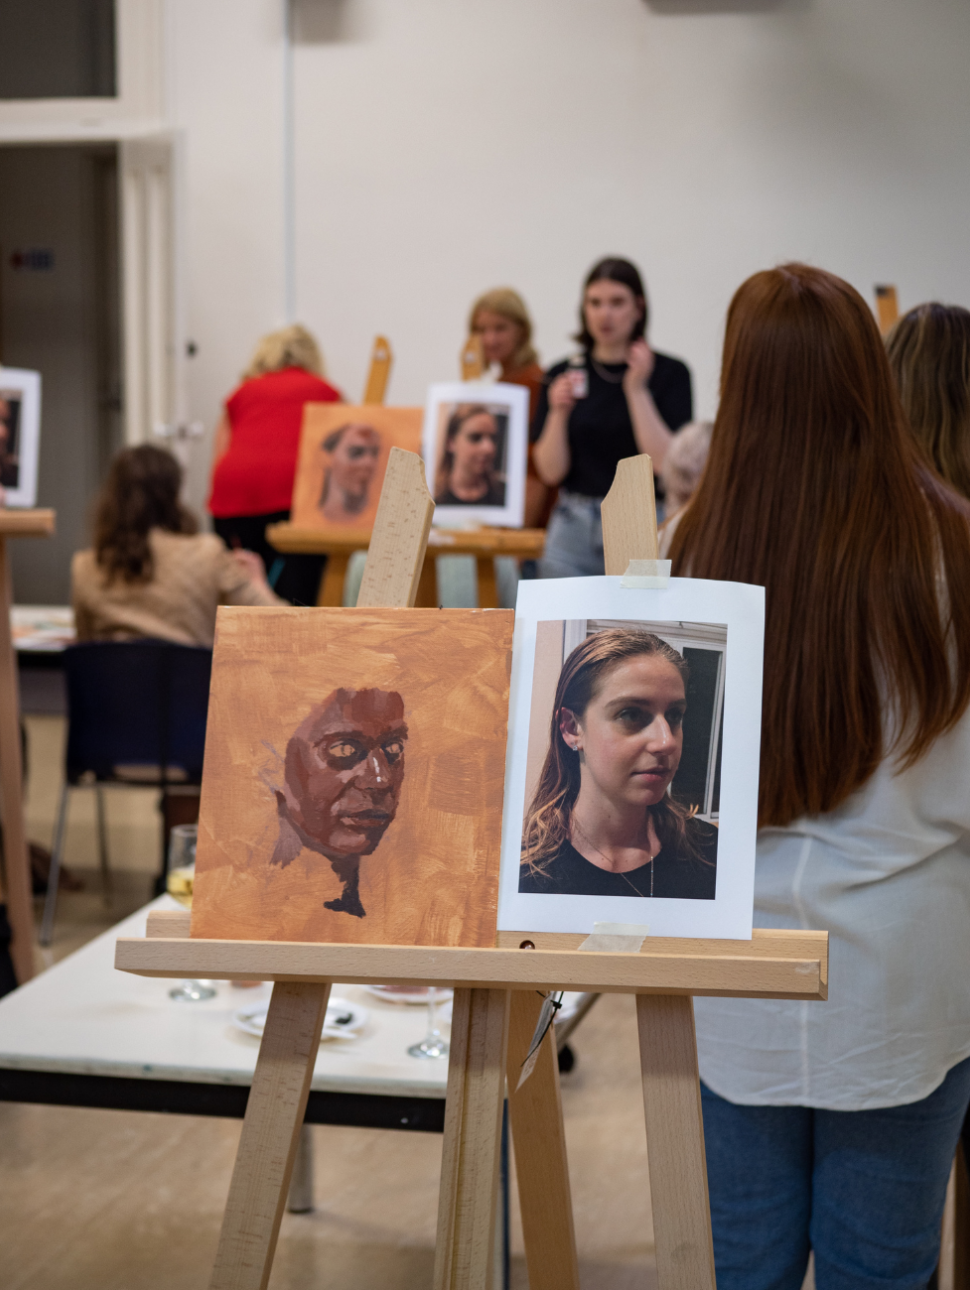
(929, 353)
(256, 446)
(501, 321)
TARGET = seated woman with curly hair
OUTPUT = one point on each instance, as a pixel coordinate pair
(151, 573)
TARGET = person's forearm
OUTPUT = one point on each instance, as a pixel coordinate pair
(551, 451)
(649, 428)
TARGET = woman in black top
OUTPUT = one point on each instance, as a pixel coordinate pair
(467, 475)
(618, 399)
(602, 822)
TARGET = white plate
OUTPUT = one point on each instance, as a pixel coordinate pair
(391, 994)
(344, 1019)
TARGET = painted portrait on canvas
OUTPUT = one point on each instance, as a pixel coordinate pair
(343, 457)
(353, 779)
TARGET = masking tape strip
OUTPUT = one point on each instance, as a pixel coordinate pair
(647, 573)
(616, 938)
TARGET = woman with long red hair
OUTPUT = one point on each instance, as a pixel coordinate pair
(832, 1126)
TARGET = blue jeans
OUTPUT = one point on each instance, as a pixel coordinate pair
(863, 1189)
(574, 539)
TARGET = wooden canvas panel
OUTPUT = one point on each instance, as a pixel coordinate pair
(353, 780)
(343, 457)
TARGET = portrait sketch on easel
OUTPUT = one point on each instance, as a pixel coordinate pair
(633, 758)
(353, 779)
(19, 435)
(343, 457)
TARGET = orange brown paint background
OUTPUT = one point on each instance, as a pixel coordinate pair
(398, 428)
(433, 878)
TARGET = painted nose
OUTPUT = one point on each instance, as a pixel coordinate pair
(373, 772)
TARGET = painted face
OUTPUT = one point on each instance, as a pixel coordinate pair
(631, 734)
(474, 446)
(354, 460)
(611, 311)
(344, 770)
(500, 336)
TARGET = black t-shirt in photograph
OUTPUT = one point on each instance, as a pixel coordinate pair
(600, 430)
(675, 877)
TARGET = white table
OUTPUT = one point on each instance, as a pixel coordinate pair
(83, 1034)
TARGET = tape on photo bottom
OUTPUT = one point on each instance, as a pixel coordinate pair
(616, 938)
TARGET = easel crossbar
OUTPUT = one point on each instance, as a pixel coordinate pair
(789, 975)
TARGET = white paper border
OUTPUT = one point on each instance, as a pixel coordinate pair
(28, 446)
(741, 607)
(516, 397)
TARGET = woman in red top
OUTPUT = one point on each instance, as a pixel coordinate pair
(256, 447)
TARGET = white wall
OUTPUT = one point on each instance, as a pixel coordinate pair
(445, 146)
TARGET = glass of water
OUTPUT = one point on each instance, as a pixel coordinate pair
(181, 857)
(434, 1044)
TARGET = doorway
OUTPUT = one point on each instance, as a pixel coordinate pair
(60, 315)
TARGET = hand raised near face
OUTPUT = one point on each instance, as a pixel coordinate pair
(640, 362)
(561, 396)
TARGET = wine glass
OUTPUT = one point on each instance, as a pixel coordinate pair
(181, 859)
(433, 1045)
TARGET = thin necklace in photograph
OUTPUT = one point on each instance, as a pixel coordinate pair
(628, 881)
(613, 378)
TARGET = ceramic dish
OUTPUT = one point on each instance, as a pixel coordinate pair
(406, 994)
(344, 1019)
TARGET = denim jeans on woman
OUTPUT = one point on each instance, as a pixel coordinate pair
(574, 538)
(864, 1190)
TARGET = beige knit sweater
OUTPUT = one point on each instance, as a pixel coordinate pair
(193, 576)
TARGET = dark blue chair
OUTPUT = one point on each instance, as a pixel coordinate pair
(136, 718)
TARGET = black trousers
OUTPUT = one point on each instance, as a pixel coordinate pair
(294, 577)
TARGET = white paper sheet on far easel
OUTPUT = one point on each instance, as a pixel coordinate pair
(691, 603)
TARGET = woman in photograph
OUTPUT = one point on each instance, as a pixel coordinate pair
(352, 453)
(468, 474)
(602, 821)
(619, 397)
(929, 353)
(501, 321)
(831, 1127)
(255, 451)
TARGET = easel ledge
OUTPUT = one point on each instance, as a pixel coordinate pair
(774, 963)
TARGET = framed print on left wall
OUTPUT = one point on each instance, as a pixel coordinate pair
(19, 435)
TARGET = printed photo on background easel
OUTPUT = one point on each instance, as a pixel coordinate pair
(344, 452)
(474, 447)
(634, 744)
(19, 435)
(353, 778)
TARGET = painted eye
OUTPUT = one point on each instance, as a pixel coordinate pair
(342, 750)
(393, 750)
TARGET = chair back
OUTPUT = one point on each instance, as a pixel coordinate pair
(139, 703)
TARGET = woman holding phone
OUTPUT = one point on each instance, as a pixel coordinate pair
(615, 399)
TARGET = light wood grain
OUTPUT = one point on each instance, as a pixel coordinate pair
(16, 863)
(472, 359)
(675, 1143)
(34, 523)
(656, 972)
(397, 546)
(535, 1114)
(630, 515)
(267, 1147)
(380, 370)
(521, 543)
(887, 308)
(472, 1141)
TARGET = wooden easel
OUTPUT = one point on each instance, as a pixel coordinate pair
(496, 1006)
(887, 308)
(380, 370)
(18, 891)
(472, 359)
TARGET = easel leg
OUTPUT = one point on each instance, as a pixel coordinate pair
(487, 582)
(473, 1135)
(675, 1142)
(332, 583)
(18, 895)
(271, 1129)
(540, 1153)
